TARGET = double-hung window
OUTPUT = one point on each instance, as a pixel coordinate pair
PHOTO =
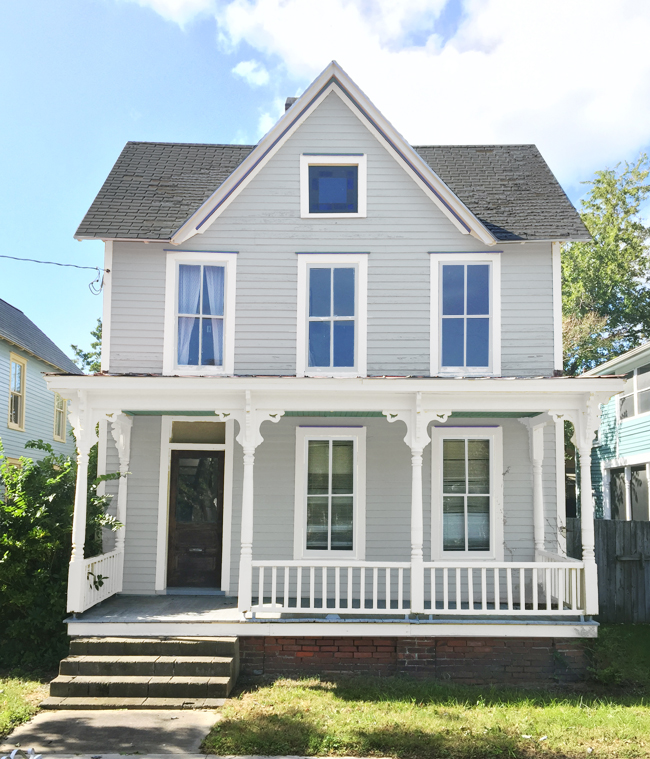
(199, 313)
(465, 318)
(332, 314)
(330, 492)
(636, 399)
(467, 492)
(17, 385)
(59, 418)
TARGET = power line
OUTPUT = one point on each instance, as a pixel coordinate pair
(95, 286)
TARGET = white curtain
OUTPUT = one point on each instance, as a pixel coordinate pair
(189, 292)
(213, 292)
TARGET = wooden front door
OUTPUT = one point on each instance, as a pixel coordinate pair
(195, 519)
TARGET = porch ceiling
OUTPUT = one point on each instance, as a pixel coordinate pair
(355, 414)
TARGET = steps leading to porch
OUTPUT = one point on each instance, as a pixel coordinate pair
(145, 673)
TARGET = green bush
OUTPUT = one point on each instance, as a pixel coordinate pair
(36, 507)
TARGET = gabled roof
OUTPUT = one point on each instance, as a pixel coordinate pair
(20, 331)
(169, 192)
(632, 359)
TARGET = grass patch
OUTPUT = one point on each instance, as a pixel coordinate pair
(621, 655)
(20, 696)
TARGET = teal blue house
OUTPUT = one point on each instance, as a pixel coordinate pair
(28, 409)
(620, 462)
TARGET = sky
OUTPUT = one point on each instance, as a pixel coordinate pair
(79, 78)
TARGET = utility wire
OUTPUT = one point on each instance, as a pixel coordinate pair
(95, 286)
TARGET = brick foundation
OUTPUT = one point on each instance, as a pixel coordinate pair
(464, 660)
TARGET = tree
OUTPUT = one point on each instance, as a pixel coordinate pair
(90, 361)
(605, 287)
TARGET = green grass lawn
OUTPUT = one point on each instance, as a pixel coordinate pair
(20, 696)
(399, 717)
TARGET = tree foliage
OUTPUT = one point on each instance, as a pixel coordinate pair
(605, 288)
(90, 361)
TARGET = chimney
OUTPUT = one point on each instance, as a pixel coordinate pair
(289, 102)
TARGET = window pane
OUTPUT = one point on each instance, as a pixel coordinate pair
(212, 342)
(342, 507)
(343, 344)
(643, 377)
(453, 523)
(453, 466)
(343, 292)
(17, 377)
(319, 343)
(453, 339)
(626, 408)
(196, 497)
(333, 189)
(453, 290)
(213, 279)
(617, 493)
(478, 523)
(15, 404)
(644, 401)
(478, 342)
(478, 289)
(342, 466)
(478, 461)
(318, 467)
(189, 289)
(317, 523)
(639, 493)
(188, 341)
(320, 292)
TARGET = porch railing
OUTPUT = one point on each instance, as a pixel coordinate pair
(551, 587)
(95, 579)
(302, 587)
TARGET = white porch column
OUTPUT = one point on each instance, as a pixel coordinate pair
(250, 419)
(417, 438)
(536, 447)
(121, 426)
(81, 421)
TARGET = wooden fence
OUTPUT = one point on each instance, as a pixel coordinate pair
(623, 558)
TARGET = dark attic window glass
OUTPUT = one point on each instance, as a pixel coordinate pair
(333, 189)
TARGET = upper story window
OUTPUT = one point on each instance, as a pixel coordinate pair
(59, 418)
(199, 313)
(332, 314)
(465, 314)
(636, 397)
(17, 385)
(333, 185)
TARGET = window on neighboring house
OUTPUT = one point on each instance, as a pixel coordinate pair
(636, 398)
(330, 493)
(17, 382)
(59, 418)
(466, 488)
(199, 313)
(333, 185)
(465, 326)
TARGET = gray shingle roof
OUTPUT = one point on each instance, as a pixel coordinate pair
(155, 186)
(17, 329)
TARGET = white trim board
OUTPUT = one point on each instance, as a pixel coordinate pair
(556, 256)
(107, 306)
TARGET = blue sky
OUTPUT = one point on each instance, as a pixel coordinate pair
(81, 77)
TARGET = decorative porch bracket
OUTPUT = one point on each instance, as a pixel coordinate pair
(417, 421)
(249, 437)
(536, 447)
(586, 422)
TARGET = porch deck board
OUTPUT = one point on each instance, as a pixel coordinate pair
(163, 608)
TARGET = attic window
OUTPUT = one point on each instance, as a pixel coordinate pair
(332, 185)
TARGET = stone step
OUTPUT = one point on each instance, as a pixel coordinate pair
(124, 686)
(154, 647)
(171, 666)
(98, 702)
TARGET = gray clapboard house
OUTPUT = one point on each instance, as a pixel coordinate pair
(332, 367)
(29, 409)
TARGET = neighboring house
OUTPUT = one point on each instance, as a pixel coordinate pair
(331, 365)
(621, 454)
(31, 411)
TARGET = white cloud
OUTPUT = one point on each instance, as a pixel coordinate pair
(572, 77)
(179, 11)
(252, 72)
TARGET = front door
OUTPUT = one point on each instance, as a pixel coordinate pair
(195, 519)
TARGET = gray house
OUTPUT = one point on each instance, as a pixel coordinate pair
(31, 411)
(331, 366)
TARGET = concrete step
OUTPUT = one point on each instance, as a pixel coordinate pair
(125, 686)
(98, 702)
(172, 666)
(154, 647)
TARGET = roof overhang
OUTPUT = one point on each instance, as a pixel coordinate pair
(334, 79)
(622, 364)
(40, 358)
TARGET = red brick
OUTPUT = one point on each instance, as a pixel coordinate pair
(311, 648)
(291, 648)
(302, 654)
(329, 648)
(343, 655)
(363, 655)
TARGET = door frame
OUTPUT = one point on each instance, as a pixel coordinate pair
(166, 449)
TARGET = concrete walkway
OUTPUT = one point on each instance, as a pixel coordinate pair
(112, 733)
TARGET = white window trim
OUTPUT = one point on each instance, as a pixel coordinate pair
(495, 436)
(65, 419)
(334, 160)
(495, 313)
(303, 435)
(107, 306)
(14, 358)
(174, 259)
(305, 260)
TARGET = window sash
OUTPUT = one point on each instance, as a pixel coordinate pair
(194, 327)
(635, 401)
(17, 371)
(59, 418)
(330, 332)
